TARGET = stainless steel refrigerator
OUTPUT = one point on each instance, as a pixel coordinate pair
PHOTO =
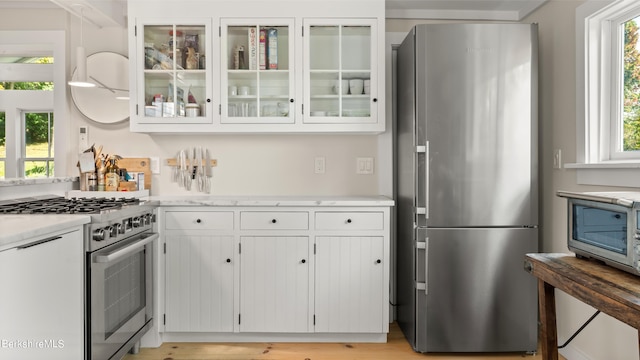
(467, 187)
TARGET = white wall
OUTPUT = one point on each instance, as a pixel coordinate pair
(247, 164)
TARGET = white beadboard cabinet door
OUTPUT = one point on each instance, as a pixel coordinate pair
(199, 283)
(274, 284)
(349, 280)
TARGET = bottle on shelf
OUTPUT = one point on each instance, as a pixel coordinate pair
(112, 176)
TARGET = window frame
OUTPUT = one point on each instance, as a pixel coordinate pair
(39, 42)
(596, 79)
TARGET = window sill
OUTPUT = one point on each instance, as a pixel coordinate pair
(611, 173)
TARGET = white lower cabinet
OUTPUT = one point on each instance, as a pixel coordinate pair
(349, 279)
(41, 305)
(274, 284)
(199, 271)
(265, 273)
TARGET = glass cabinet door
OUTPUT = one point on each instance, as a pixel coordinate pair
(340, 71)
(176, 76)
(257, 71)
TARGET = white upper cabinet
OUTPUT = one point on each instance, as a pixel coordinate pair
(340, 71)
(172, 76)
(257, 84)
(257, 66)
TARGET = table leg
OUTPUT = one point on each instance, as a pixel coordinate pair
(548, 330)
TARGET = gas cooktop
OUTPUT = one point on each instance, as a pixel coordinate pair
(61, 205)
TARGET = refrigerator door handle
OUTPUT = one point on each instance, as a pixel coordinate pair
(425, 150)
(426, 181)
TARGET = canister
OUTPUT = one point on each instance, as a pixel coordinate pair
(193, 110)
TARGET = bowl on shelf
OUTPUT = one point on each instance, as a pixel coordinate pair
(355, 112)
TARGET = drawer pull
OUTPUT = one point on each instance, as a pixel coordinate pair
(273, 221)
(304, 261)
(198, 221)
(348, 221)
(228, 260)
(378, 261)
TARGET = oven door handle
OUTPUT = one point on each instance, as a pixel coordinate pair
(126, 250)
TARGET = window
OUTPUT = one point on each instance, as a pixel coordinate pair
(38, 144)
(3, 146)
(608, 89)
(29, 103)
(33, 145)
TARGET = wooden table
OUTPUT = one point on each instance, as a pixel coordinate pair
(612, 291)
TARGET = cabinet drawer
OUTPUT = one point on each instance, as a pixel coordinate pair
(277, 220)
(199, 220)
(349, 221)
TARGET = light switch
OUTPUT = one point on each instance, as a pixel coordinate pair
(364, 166)
(154, 165)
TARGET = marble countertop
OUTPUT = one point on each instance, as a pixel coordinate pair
(21, 181)
(20, 229)
(284, 201)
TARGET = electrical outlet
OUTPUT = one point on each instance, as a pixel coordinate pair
(319, 165)
(557, 159)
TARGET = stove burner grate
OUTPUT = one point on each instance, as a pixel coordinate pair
(61, 205)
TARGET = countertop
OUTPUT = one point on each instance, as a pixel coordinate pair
(19, 229)
(37, 181)
(284, 201)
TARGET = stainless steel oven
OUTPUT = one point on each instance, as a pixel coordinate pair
(121, 292)
(120, 247)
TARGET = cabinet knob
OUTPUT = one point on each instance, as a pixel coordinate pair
(208, 100)
(304, 261)
(273, 221)
(228, 260)
(375, 99)
(198, 221)
(378, 261)
(348, 221)
(290, 100)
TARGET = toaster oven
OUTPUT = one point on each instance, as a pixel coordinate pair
(605, 226)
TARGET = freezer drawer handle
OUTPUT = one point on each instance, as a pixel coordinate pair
(426, 266)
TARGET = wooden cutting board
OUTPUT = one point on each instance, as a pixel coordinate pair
(134, 165)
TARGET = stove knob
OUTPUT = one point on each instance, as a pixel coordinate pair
(119, 228)
(98, 235)
(147, 219)
(113, 231)
(137, 222)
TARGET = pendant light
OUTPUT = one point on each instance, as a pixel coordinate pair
(81, 62)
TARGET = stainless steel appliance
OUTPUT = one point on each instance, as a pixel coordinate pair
(119, 243)
(605, 226)
(467, 187)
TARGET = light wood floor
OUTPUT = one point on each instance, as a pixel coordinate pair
(396, 348)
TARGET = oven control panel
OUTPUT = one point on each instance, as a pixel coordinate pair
(106, 233)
